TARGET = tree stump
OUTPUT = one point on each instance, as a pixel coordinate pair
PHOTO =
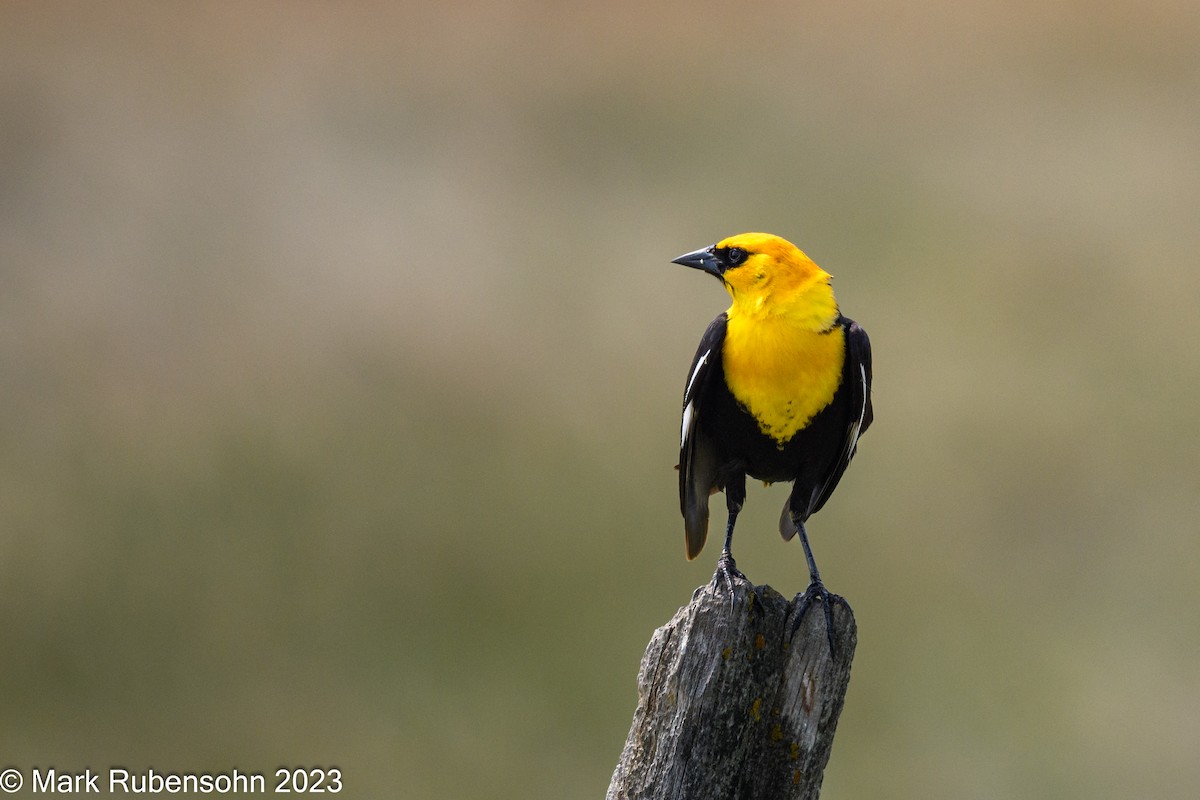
(737, 699)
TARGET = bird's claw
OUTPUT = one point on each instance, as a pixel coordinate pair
(726, 572)
(816, 591)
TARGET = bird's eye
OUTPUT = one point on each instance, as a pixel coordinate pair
(735, 256)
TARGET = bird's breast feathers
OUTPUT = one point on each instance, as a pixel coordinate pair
(782, 372)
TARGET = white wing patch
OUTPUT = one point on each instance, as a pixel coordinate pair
(699, 364)
(862, 412)
(689, 410)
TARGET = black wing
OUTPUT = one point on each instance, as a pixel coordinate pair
(858, 415)
(697, 452)
(858, 359)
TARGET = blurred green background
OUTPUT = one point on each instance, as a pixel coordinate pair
(342, 354)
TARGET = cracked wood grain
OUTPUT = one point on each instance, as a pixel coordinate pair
(737, 698)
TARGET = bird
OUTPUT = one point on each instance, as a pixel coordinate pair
(779, 390)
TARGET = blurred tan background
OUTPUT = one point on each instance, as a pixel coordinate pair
(341, 360)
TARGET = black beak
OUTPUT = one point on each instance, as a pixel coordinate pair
(701, 259)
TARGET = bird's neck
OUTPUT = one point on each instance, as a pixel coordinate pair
(807, 306)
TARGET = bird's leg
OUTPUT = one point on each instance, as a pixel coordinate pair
(816, 589)
(726, 566)
(735, 495)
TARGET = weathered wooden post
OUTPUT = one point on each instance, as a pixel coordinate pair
(737, 699)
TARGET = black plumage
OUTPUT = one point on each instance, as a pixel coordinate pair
(722, 443)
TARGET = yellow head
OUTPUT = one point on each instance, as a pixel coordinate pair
(769, 276)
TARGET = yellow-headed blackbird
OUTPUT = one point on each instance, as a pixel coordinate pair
(780, 390)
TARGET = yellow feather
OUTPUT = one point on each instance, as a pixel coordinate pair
(783, 351)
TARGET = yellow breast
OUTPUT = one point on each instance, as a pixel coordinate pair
(781, 371)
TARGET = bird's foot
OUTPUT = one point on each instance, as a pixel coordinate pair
(726, 572)
(726, 575)
(816, 592)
